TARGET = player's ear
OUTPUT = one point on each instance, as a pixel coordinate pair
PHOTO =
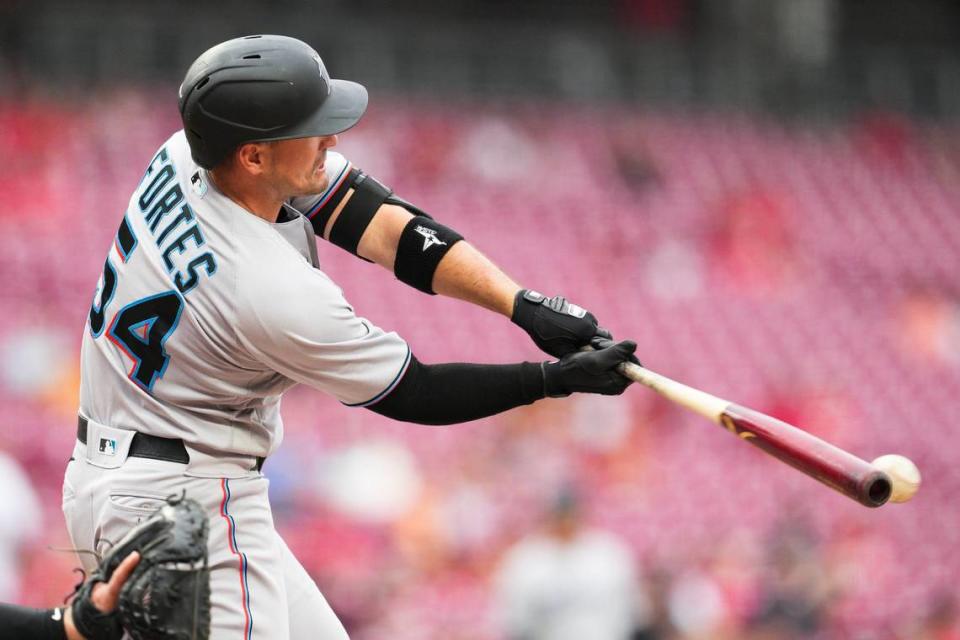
(253, 157)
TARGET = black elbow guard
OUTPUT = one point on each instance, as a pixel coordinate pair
(358, 212)
(422, 245)
(423, 242)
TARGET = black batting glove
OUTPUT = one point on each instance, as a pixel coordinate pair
(556, 325)
(588, 371)
(601, 342)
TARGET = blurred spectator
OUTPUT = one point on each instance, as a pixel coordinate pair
(754, 247)
(20, 522)
(928, 327)
(346, 483)
(30, 358)
(633, 160)
(568, 581)
(656, 623)
(674, 271)
(941, 622)
(798, 588)
(697, 607)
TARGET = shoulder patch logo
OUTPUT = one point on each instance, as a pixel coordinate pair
(429, 237)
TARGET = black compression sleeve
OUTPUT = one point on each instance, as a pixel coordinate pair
(25, 623)
(460, 392)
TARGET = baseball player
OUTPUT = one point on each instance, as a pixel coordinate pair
(212, 304)
(24, 623)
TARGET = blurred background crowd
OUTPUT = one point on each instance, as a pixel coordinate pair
(762, 193)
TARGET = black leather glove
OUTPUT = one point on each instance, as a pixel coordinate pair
(556, 325)
(589, 371)
(602, 343)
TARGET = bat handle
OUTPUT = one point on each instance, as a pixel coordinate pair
(701, 402)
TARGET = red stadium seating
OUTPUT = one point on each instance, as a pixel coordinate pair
(806, 270)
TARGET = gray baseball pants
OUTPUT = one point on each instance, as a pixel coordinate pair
(259, 590)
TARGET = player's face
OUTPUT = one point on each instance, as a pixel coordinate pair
(297, 167)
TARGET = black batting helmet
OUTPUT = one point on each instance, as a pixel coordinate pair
(260, 88)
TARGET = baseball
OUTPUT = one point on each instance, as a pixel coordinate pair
(903, 473)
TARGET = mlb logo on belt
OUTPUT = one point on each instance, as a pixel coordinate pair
(108, 446)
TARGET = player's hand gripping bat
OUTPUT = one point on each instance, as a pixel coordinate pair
(834, 467)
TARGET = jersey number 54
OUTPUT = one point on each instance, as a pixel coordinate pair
(141, 327)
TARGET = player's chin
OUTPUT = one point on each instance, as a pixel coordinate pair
(319, 182)
(309, 187)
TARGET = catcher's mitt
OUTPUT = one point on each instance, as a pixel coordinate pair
(168, 594)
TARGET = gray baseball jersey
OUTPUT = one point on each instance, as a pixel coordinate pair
(205, 314)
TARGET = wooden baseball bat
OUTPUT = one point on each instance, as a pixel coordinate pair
(831, 465)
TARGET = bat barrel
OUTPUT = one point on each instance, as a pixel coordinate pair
(834, 467)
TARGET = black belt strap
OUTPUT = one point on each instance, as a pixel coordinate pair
(144, 445)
